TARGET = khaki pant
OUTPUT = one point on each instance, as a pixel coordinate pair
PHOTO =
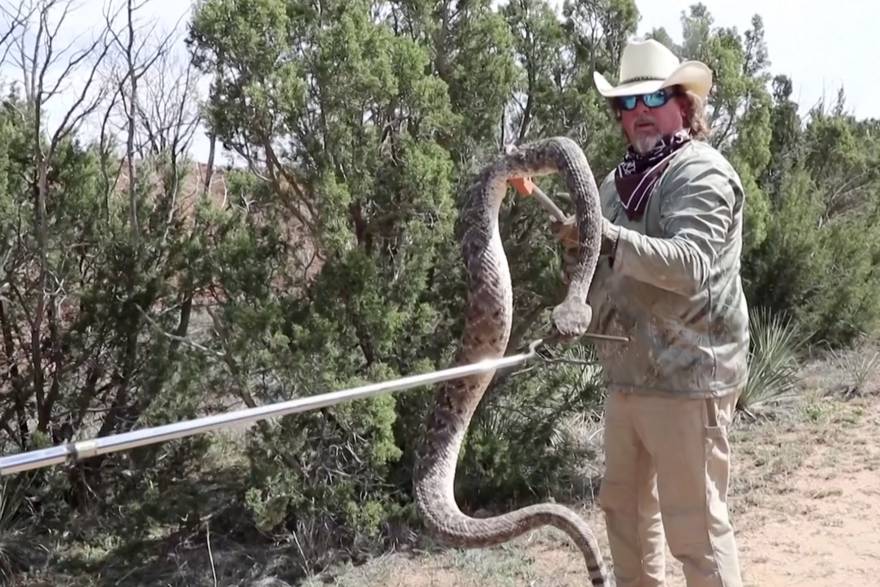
(667, 467)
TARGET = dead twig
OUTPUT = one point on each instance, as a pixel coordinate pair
(210, 554)
(181, 339)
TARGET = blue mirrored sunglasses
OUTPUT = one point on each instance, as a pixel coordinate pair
(653, 100)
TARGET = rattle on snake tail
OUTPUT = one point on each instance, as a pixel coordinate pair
(488, 321)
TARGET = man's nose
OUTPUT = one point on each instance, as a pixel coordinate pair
(640, 107)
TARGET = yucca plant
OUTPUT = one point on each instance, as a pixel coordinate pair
(15, 548)
(859, 366)
(773, 362)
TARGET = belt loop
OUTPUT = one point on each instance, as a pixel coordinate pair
(711, 413)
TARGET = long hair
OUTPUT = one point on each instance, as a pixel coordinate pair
(695, 120)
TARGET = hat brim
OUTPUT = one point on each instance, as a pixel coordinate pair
(692, 75)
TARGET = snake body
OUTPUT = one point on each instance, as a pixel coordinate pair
(488, 319)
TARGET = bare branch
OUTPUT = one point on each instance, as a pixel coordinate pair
(74, 115)
(37, 78)
(181, 339)
(73, 64)
(16, 21)
(132, 46)
(167, 113)
(209, 170)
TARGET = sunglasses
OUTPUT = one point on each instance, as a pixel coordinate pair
(654, 100)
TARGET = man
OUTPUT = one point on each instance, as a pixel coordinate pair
(669, 280)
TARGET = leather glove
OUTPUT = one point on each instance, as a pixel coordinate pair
(566, 233)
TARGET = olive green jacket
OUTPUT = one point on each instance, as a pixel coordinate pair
(673, 286)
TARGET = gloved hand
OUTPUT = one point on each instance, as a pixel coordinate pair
(566, 233)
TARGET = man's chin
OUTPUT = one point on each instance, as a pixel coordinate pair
(645, 144)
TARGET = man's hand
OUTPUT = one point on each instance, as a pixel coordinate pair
(567, 234)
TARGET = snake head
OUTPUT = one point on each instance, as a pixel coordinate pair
(572, 317)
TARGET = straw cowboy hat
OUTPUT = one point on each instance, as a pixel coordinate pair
(648, 66)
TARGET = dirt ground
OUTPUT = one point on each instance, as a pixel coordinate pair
(822, 525)
(805, 501)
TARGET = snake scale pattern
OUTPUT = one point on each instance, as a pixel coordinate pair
(488, 319)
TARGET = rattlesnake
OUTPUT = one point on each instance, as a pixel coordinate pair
(488, 320)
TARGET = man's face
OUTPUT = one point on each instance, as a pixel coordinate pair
(644, 125)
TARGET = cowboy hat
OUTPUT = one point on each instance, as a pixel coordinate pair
(648, 66)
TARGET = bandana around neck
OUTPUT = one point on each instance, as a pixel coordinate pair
(637, 174)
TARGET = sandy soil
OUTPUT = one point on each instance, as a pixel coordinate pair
(822, 526)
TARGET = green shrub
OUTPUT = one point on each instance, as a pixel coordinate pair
(773, 361)
(530, 439)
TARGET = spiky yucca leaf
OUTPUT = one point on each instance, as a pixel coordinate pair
(859, 366)
(773, 362)
(15, 547)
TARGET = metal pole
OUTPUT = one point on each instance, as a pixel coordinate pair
(85, 449)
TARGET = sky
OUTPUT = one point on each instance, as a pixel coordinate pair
(821, 46)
